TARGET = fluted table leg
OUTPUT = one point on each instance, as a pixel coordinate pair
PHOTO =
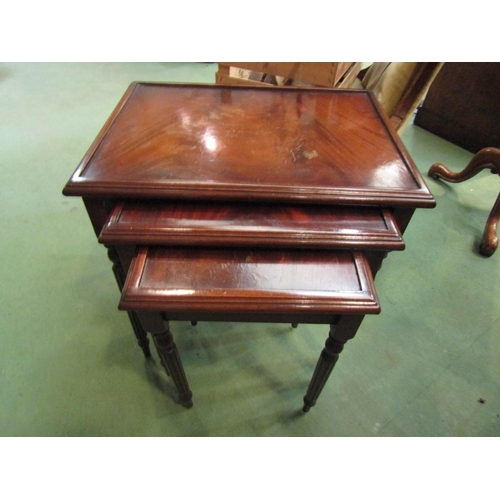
(163, 339)
(342, 329)
(167, 350)
(140, 334)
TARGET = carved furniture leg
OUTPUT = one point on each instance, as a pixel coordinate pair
(489, 243)
(167, 351)
(342, 329)
(141, 335)
(486, 158)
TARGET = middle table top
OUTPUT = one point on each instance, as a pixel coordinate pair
(181, 141)
(237, 224)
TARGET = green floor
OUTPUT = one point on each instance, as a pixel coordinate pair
(69, 364)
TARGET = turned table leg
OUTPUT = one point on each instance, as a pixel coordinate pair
(167, 350)
(140, 333)
(342, 329)
(488, 158)
(168, 353)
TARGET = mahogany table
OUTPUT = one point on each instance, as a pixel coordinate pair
(248, 204)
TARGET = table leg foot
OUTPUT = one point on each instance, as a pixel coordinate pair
(295, 325)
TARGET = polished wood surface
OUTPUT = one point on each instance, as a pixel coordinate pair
(233, 224)
(226, 203)
(245, 284)
(198, 282)
(246, 143)
(487, 158)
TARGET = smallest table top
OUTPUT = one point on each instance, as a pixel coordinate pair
(249, 284)
(217, 142)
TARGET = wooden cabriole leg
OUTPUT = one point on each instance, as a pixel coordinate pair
(489, 242)
(342, 329)
(486, 158)
(141, 335)
(167, 351)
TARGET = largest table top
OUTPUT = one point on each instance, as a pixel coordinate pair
(206, 142)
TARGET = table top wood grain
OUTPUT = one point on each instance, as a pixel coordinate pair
(251, 225)
(196, 281)
(212, 142)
